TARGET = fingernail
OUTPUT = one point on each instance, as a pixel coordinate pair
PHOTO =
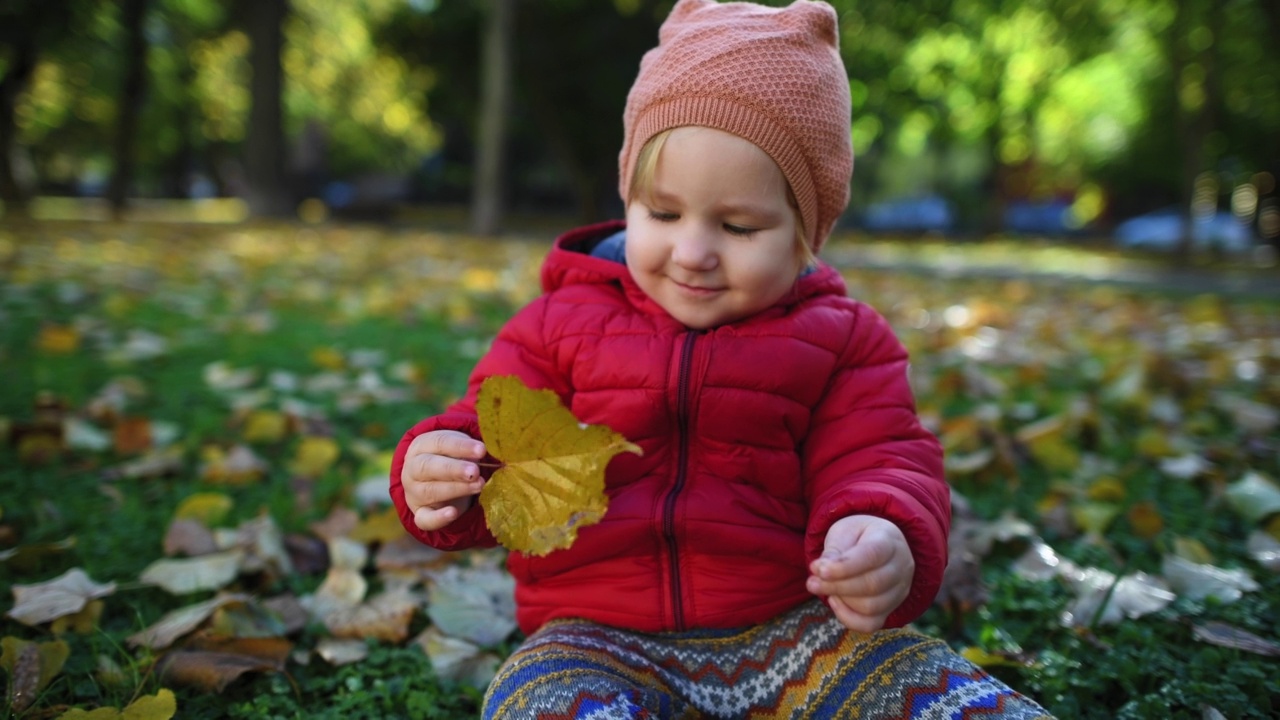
(477, 449)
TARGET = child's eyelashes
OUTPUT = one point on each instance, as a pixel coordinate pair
(732, 229)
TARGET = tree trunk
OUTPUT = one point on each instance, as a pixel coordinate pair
(264, 145)
(22, 64)
(495, 100)
(135, 61)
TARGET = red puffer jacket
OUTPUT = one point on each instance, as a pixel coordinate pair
(757, 436)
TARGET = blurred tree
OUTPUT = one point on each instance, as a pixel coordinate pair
(495, 92)
(264, 146)
(133, 14)
(28, 29)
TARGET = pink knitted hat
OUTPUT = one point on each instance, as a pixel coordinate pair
(770, 75)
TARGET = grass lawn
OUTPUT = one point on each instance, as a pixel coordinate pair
(252, 378)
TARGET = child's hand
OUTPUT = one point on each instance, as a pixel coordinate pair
(440, 476)
(865, 571)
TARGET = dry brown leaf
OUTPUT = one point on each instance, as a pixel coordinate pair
(188, 537)
(24, 678)
(289, 611)
(31, 667)
(407, 553)
(180, 622)
(261, 541)
(275, 650)
(210, 671)
(385, 617)
(131, 435)
(157, 463)
(339, 523)
(66, 594)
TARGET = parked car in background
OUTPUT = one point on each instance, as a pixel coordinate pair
(928, 213)
(1163, 229)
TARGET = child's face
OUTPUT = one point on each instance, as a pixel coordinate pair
(714, 240)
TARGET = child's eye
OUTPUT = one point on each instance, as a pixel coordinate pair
(739, 230)
(660, 216)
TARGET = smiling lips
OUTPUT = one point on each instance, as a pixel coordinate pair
(696, 290)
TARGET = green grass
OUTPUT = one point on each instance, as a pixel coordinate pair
(270, 297)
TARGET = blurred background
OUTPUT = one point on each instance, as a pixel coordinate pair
(1146, 123)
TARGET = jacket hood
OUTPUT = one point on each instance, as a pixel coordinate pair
(570, 263)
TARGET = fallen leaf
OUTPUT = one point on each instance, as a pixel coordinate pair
(340, 522)
(1197, 581)
(31, 667)
(1254, 496)
(187, 575)
(314, 456)
(380, 527)
(207, 508)
(342, 651)
(131, 435)
(385, 617)
(457, 660)
(265, 427)
(552, 479)
(475, 604)
(157, 463)
(65, 595)
(58, 339)
(161, 706)
(1145, 520)
(177, 623)
(188, 537)
(1224, 635)
(81, 623)
(1265, 549)
(210, 671)
(239, 466)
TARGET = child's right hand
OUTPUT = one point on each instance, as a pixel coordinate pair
(440, 477)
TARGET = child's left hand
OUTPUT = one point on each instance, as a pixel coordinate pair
(865, 571)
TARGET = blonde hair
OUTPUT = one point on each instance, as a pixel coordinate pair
(647, 166)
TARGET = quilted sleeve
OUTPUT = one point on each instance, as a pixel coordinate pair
(520, 349)
(868, 454)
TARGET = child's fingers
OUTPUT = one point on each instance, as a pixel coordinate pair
(450, 443)
(439, 468)
(854, 620)
(438, 493)
(878, 581)
(853, 562)
(428, 519)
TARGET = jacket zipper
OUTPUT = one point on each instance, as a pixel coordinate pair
(669, 511)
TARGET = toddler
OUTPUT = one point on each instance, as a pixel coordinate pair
(789, 514)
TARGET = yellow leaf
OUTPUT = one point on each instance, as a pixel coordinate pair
(380, 527)
(328, 358)
(1193, 550)
(1145, 520)
(58, 339)
(265, 426)
(81, 623)
(315, 455)
(1094, 517)
(208, 508)
(48, 656)
(161, 706)
(552, 479)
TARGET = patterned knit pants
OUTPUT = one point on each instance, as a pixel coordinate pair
(803, 664)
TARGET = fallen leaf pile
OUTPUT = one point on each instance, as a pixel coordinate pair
(1122, 447)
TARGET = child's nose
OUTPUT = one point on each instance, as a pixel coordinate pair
(695, 249)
